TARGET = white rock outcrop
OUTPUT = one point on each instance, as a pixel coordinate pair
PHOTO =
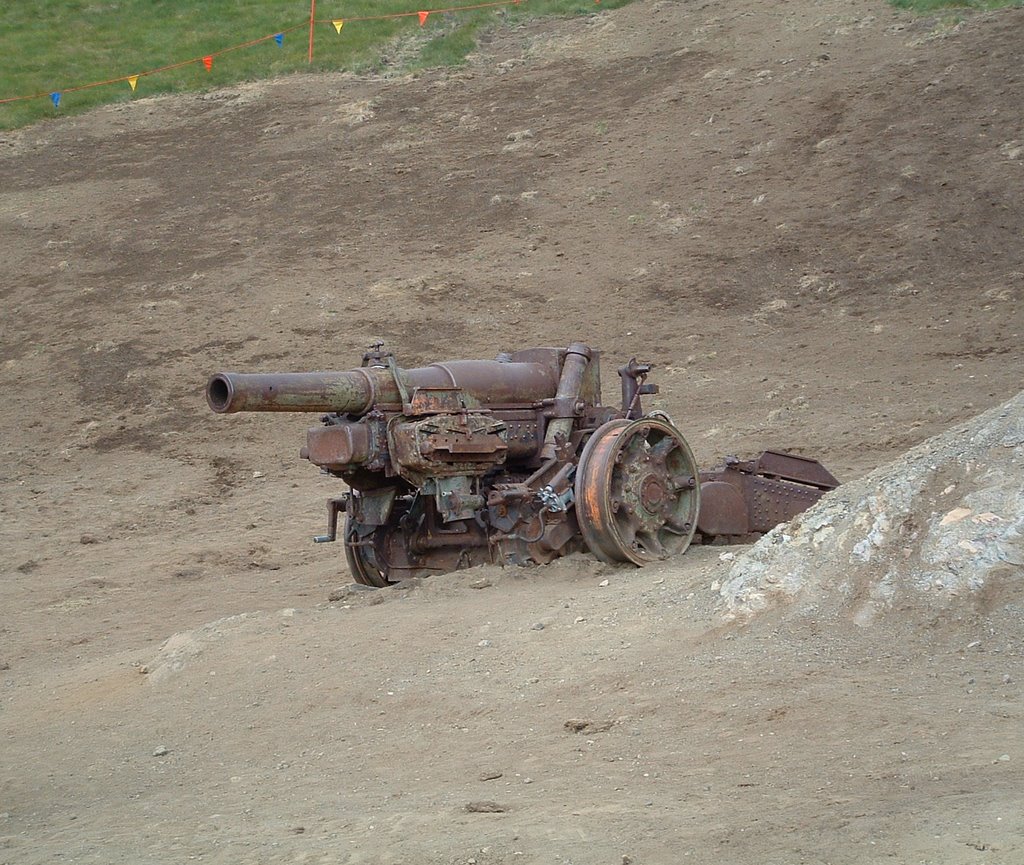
(939, 522)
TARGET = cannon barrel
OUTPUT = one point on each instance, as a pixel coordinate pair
(356, 391)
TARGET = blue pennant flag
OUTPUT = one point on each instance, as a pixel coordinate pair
(279, 39)
(55, 99)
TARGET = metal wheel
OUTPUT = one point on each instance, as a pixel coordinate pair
(361, 555)
(637, 491)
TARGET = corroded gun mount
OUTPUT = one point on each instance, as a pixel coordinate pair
(511, 460)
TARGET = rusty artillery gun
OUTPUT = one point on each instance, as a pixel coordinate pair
(513, 460)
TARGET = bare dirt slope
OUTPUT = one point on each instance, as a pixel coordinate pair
(807, 213)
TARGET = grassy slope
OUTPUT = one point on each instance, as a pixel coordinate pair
(55, 45)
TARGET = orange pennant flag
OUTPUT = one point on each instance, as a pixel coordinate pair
(133, 82)
(423, 17)
(208, 62)
(338, 24)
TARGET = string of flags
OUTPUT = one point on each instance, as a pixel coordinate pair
(206, 60)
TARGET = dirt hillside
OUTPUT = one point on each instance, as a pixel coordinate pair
(807, 214)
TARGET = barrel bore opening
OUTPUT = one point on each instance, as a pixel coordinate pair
(218, 393)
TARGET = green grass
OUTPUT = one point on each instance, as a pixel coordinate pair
(57, 45)
(935, 5)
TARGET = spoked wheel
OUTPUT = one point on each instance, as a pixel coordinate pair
(361, 554)
(637, 491)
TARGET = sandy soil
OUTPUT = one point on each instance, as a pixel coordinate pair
(808, 214)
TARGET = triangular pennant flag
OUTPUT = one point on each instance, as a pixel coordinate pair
(338, 24)
(279, 39)
(208, 62)
(133, 82)
(423, 17)
(55, 99)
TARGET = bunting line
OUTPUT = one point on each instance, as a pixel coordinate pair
(419, 12)
(278, 36)
(180, 64)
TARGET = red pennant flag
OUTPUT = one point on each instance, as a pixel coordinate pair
(423, 17)
(208, 62)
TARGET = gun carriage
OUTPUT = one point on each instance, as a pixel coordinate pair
(513, 460)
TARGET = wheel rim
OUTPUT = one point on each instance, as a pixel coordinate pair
(637, 492)
(360, 557)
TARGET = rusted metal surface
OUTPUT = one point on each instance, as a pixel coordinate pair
(745, 497)
(637, 492)
(337, 446)
(634, 375)
(513, 460)
(359, 390)
(310, 391)
(786, 467)
(564, 409)
(723, 510)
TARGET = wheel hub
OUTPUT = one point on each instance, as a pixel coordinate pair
(652, 494)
